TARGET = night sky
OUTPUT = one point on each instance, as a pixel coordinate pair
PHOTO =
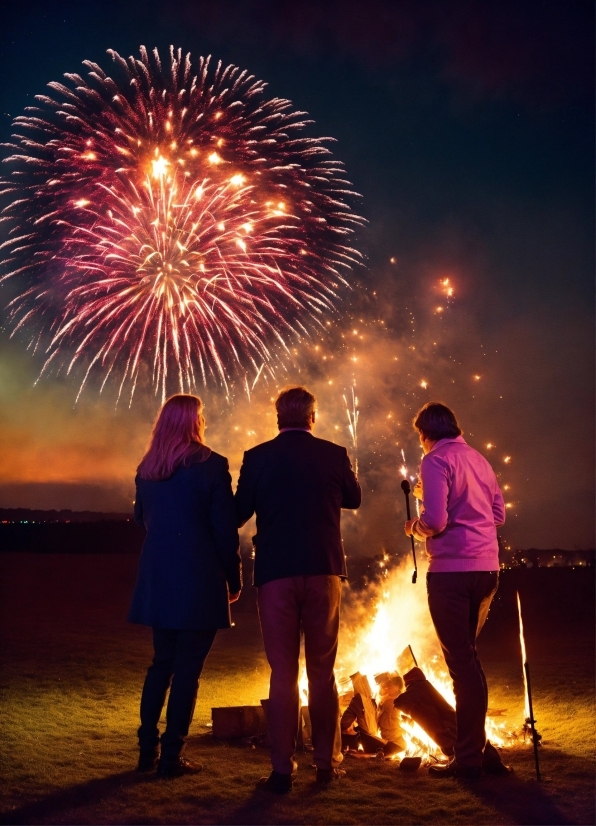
(468, 129)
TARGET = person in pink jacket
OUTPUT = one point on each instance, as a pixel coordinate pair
(462, 508)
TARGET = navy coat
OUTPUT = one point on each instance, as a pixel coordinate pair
(191, 555)
(297, 485)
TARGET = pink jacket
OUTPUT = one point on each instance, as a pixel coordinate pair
(463, 506)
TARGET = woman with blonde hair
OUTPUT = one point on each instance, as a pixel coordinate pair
(189, 573)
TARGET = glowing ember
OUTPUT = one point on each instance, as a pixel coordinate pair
(170, 224)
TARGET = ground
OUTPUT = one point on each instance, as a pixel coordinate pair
(72, 670)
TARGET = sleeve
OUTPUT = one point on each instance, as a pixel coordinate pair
(435, 486)
(351, 493)
(498, 507)
(223, 524)
(244, 497)
(138, 509)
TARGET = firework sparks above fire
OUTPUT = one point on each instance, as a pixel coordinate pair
(170, 222)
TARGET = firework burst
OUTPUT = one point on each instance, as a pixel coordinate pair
(170, 224)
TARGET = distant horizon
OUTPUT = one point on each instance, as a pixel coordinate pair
(128, 516)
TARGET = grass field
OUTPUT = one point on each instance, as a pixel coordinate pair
(72, 670)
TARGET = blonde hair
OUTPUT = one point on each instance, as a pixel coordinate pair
(178, 437)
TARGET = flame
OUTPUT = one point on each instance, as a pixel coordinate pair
(371, 641)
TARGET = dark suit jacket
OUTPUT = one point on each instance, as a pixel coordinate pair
(297, 485)
(190, 555)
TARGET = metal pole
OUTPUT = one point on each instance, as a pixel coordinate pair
(405, 486)
(532, 721)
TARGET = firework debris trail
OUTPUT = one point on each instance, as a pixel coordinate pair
(170, 221)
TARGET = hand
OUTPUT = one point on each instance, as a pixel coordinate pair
(408, 526)
(234, 597)
(417, 489)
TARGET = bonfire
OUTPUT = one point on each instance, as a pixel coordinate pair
(388, 630)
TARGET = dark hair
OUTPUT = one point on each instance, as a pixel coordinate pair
(436, 421)
(294, 407)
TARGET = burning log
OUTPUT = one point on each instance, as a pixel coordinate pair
(367, 716)
(388, 717)
(406, 660)
(422, 702)
(361, 721)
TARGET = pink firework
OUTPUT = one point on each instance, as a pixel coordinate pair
(169, 224)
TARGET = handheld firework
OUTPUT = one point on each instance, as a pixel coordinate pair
(405, 486)
(353, 413)
(529, 710)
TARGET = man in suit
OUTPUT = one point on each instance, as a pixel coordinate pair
(297, 485)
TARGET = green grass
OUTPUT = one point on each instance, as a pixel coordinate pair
(72, 670)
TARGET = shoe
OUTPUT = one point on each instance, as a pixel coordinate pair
(327, 775)
(451, 769)
(147, 760)
(177, 767)
(276, 782)
(492, 763)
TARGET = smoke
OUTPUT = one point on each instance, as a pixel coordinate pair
(402, 343)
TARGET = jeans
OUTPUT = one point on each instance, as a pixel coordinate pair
(178, 659)
(287, 606)
(459, 603)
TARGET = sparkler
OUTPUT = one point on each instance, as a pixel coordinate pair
(353, 414)
(405, 486)
(170, 223)
(528, 709)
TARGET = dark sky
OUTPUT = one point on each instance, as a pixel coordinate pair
(468, 128)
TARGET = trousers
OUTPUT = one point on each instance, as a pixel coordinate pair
(459, 603)
(287, 607)
(178, 660)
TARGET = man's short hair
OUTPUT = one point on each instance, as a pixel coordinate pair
(436, 421)
(294, 407)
